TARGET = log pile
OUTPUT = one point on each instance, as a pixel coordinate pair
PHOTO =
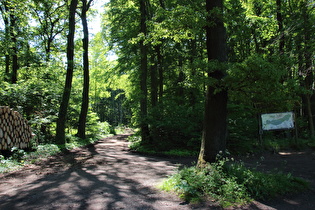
(14, 130)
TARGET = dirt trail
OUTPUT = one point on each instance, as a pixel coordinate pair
(106, 175)
(102, 176)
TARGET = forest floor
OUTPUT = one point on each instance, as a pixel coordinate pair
(106, 175)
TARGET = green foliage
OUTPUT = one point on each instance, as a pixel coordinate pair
(265, 185)
(7, 165)
(14, 162)
(75, 142)
(243, 129)
(17, 154)
(176, 125)
(36, 97)
(230, 183)
(45, 151)
(193, 184)
(136, 145)
(181, 153)
(257, 85)
(135, 142)
(262, 83)
(19, 157)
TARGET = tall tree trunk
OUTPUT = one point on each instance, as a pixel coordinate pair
(13, 34)
(48, 49)
(215, 125)
(10, 23)
(4, 13)
(86, 84)
(62, 115)
(143, 74)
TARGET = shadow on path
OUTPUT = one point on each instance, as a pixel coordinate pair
(100, 176)
(105, 175)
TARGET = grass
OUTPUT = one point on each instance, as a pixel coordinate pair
(230, 183)
(135, 145)
(20, 157)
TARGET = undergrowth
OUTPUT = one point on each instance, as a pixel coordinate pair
(136, 145)
(18, 157)
(230, 183)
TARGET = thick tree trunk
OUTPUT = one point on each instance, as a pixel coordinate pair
(215, 125)
(145, 134)
(62, 115)
(86, 84)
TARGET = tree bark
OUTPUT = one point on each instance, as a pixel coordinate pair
(215, 125)
(86, 83)
(61, 121)
(143, 74)
(13, 34)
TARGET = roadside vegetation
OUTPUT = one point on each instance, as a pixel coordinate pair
(230, 183)
(17, 158)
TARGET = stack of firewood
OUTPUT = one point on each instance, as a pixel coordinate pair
(14, 130)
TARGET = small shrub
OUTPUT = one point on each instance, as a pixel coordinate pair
(47, 150)
(230, 183)
(17, 154)
(135, 142)
(265, 185)
(10, 164)
(194, 183)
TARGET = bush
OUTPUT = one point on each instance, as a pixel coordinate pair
(230, 183)
(265, 185)
(17, 154)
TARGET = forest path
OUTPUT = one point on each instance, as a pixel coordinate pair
(106, 175)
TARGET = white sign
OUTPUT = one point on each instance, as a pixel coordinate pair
(277, 121)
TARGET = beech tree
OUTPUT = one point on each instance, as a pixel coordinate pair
(62, 115)
(215, 117)
(51, 17)
(143, 71)
(12, 17)
(86, 73)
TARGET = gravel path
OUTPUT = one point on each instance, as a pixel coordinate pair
(107, 176)
(102, 176)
